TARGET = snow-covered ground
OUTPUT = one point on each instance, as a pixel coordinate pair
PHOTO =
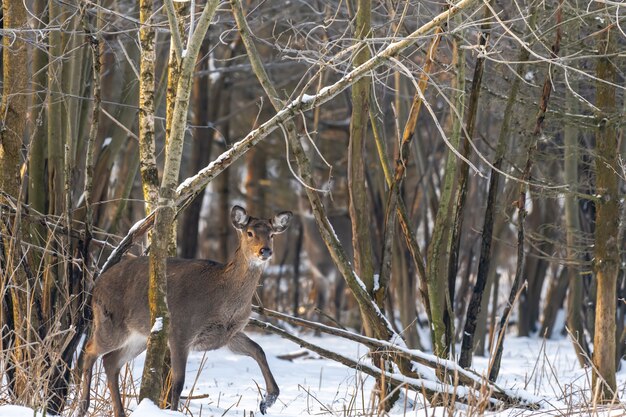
(224, 384)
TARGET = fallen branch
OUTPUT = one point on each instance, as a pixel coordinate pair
(435, 390)
(423, 363)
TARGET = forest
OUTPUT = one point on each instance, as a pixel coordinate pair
(455, 172)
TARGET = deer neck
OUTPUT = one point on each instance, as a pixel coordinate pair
(243, 273)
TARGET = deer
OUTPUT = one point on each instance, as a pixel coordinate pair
(209, 304)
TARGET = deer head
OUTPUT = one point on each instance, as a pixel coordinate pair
(256, 236)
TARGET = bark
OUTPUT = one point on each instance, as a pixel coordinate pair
(53, 272)
(72, 83)
(87, 282)
(147, 152)
(359, 206)
(55, 111)
(154, 368)
(437, 281)
(481, 320)
(174, 70)
(405, 294)
(36, 162)
(13, 111)
(473, 308)
(607, 253)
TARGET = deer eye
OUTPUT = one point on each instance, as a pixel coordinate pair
(271, 235)
(250, 234)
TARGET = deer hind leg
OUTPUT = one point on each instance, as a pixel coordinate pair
(113, 361)
(243, 345)
(90, 358)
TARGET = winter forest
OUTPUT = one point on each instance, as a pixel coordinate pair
(445, 181)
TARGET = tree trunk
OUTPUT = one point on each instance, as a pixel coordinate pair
(437, 280)
(13, 111)
(147, 148)
(607, 253)
(359, 206)
(473, 308)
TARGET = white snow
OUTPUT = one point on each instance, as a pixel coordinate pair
(158, 325)
(18, 411)
(147, 408)
(223, 383)
(106, 142)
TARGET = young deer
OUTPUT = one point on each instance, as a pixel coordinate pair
(209, 306)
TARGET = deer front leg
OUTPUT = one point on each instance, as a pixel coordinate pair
(243, 345)
(179, 364)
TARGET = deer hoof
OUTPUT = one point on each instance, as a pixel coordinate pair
(268, 401)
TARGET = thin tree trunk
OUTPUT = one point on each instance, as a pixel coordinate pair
(607, 253)
(359, 206)
(147, 148)
(13, 111)
(37, 185)
(465, 359)
(437, 281)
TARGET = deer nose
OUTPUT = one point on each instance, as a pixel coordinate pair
(265, 253)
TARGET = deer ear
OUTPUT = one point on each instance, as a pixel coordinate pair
(280, 222)
(239, 217)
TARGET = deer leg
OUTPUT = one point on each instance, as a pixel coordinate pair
(179, 364)
(90, 358)
(113, 362)
(243, 345)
